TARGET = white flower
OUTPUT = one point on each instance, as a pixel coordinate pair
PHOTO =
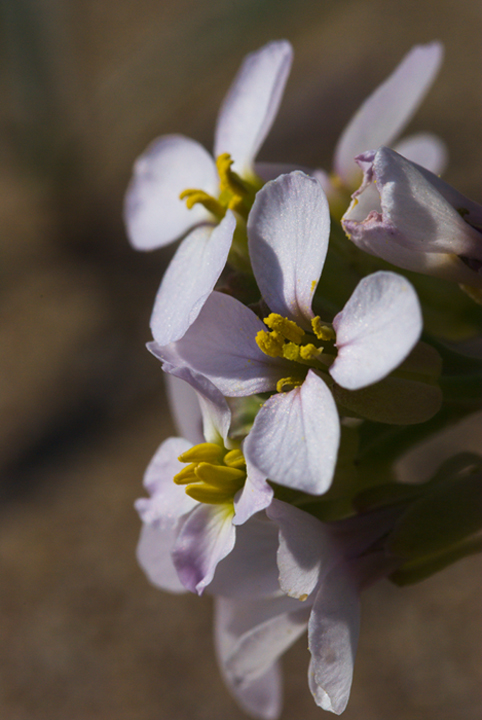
(214, 193)
(294, 439)
(198, 494)
(322, 570)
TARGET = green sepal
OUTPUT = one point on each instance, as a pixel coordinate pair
(393, 401)
(419, 569)
(381, 496)
(449, 511)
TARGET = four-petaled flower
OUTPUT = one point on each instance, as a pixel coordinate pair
(294, 439)
(322, 570)
(198, 495)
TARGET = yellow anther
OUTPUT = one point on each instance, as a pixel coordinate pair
(322, 332)
(235, 458)
(194, 196)
(310, 352)
(270, 343)
(287, 328)
(291, 351)
(204, 452)
(229, 180)
(208, 494)
(186, 476)
(214, 476)
(288, 383)
(220, 476)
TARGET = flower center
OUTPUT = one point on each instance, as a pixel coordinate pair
(214, 475)
(287, 340)
(234, 193)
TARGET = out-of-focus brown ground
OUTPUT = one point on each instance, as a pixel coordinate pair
(86, 85)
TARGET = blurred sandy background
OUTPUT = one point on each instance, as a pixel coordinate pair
(85, 85)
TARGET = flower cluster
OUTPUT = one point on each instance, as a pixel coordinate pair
(294, 361)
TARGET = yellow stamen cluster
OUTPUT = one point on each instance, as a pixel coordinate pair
(213, 475)
(286, 337)
(235, 194)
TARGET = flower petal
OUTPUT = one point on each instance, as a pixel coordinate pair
(333, 637)
(258, 633)
(190, 278)
(426, 150)
(153, 212)
(154, 556)
(385, 112)
(376, 330)
(185, 408)
(205, 538)
(250, 107)
(288, 230)
(250, 570)
(261, 698)
(256, 495)
(168, 501)
(295, 437)
(307, 551)
(221, 345)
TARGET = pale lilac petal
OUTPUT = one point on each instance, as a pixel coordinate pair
(154, 557)
(250, 107)
(295, 437)
(250, 570)
(168, 501)
(376, 330)
(256, 495)
(471, 210)
(162, 514)
(154, 214)
(426, 150)
(221, 345)
(205, 538)
(185, 408)
(258, 633)
(288, 230)
(214, 410)
(261, 698)
(307, 550)
(333, 637)
(190, 278)
(387, 111)
(382, 240)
